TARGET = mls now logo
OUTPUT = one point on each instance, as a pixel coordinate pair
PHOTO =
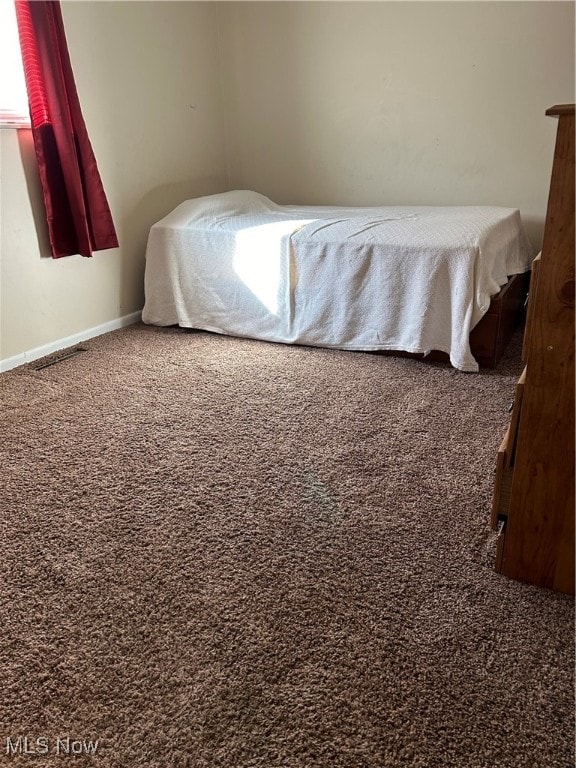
(68, 746)
(27, 745)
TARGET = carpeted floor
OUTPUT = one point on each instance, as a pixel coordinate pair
(222, 553)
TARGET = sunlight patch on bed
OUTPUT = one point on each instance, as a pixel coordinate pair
(261, 257)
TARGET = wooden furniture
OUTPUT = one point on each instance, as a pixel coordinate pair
(533, 503)
(489, 339)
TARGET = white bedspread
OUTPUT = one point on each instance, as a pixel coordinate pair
(392, 278)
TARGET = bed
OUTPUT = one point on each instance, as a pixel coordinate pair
(378, 279)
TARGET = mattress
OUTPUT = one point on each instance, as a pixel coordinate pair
(414, 279)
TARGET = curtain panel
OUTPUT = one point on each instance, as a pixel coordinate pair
(78, 214)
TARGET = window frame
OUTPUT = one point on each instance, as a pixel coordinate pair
(13, 119)
(12, 115)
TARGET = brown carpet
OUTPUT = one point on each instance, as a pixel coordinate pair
(219, 552)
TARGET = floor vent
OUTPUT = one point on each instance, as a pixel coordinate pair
(60, 358)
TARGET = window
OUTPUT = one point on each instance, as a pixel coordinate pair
(14, 111)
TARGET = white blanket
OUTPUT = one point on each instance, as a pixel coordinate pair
(392, 278)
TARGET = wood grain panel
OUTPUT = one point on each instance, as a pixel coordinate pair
(539, 545)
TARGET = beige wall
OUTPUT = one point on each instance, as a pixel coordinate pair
(149, 82)
(397, 102)
(322, 103)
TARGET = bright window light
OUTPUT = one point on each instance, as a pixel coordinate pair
(14, 112)
(261, 258)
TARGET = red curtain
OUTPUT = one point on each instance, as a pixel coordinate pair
(79, 218)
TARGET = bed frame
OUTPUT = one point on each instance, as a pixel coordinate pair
(506, 312)
(491, 336)
(218, 254)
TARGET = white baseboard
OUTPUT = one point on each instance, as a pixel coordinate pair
(69, 341)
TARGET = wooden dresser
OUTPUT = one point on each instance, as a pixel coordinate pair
(533, 503)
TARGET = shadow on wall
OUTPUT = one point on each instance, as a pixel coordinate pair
(134, 227)
(534, 226)
(30, 166)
